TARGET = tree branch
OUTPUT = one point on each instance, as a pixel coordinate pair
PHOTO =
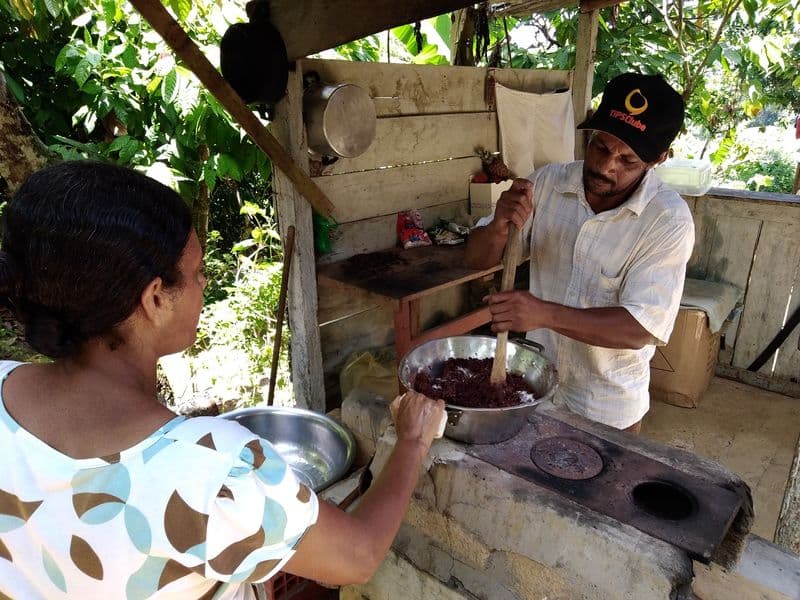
(691, 81)
(21, 151)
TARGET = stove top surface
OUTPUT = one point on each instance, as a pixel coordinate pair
(682, 509)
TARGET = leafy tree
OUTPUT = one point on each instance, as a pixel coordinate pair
(97, 82)
(730, 57)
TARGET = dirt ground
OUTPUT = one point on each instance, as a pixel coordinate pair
(751, 431)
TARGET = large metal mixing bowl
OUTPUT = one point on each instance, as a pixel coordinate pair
(483, 425)
(318, 449)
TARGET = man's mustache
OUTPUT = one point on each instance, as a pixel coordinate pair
(595, 175)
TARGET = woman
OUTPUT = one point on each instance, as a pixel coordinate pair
(105, 493)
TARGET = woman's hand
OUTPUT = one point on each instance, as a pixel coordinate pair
(348, 547)
(417, 418)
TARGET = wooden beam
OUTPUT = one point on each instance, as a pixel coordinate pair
(583, 77)
(310, 26)
(525, 8)
(166, 26)
(590, 5)
(306, 354)
(787, 532)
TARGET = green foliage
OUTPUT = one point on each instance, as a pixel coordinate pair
(220, 269)
(774, 172)
(121, 95)
(238, 332)
(13, 345)
(96, 82)
(730, 57)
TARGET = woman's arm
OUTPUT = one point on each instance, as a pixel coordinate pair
(343, 548)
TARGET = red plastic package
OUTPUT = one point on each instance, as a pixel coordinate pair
(410, 231)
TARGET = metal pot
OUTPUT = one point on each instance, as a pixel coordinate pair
(484, 425)
(340, 119)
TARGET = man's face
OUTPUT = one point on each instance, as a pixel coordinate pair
(610, 167)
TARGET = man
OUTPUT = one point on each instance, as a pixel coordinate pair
(609, 243)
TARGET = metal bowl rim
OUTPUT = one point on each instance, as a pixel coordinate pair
(349, 439)
(520, 406)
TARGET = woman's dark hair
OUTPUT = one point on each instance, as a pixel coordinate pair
(81, 241)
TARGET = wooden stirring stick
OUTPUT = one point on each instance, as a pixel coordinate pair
(510, 260)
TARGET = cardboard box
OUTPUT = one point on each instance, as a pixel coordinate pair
(484, 196)
(681, 371)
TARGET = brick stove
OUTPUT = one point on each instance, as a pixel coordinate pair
(683, 509)
(566, 509)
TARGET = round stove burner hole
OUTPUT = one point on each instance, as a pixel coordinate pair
(664, 500)
(566, 458)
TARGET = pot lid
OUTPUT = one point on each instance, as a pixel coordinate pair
(349, 120)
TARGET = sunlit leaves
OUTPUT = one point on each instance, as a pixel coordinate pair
(169, 87)
(53, 7)
(182, 8)
(23, 8)
(125, 146)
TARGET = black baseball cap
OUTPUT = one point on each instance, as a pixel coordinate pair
(643, 111)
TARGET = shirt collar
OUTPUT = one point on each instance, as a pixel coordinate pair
(573, 184)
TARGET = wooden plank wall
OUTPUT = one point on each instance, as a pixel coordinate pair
(752, 240)
(430, 120)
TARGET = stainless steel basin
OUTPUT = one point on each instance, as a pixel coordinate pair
(317, 448)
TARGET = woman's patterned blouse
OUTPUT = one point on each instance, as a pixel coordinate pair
(199, 509)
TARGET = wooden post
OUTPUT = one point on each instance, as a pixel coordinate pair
(787, 532)
(169, 29)
(583, 78)
(306, 352)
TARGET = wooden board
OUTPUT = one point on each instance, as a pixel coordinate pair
(375, 328)
(388, 191)
(788, 364)
(419, 139)
(379, 233)
(708, 209)
(293, 209)
(772, 285)
(727, 222)
(334, 305)
(309, 26)
(585, 48)
(431, 89)
(731, 256)
(403, 275)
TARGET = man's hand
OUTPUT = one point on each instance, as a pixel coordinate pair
(516, 310)
(514, 206)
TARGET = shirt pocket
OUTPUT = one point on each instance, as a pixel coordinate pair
(605, 292)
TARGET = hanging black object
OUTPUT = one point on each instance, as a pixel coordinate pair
(253, 58)
(776, 342)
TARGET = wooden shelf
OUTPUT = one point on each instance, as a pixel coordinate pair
(403, 275)
(402, 278)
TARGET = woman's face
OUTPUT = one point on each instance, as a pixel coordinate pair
(187, 296)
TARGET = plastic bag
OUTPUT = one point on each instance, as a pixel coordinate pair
(373, 370)
(410, 231)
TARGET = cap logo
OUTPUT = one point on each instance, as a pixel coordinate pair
(629, 117)
(635, 110)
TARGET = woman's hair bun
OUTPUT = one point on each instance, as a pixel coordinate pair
(49, 334)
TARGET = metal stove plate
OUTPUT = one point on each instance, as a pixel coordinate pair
(610, 492)
(566, 458)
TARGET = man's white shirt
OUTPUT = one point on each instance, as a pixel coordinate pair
(633, 256)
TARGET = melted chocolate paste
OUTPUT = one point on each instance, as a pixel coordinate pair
(466, 382)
